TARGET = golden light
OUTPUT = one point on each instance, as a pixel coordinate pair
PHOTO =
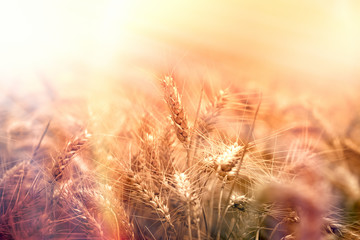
(311, 41)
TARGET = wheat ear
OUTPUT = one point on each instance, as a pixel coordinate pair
(211, 114)
(150, 199)
(189, 196)
(10, 186)
(178, 116)
(240, 161)
(166, 149)
(87, 221)
(68, 154)
(66, 201)
(225, 163)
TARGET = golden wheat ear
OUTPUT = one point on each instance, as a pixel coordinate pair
(150, 199)
(73, 217)
(209, 117)
(178, 115)
(11, 185)
(65, 158)
(166, 150)
(190, 197)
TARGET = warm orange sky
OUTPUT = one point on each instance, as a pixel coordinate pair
(313, 40)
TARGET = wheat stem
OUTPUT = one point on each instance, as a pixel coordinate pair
(240, 162)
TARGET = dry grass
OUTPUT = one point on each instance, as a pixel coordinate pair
(215, 169)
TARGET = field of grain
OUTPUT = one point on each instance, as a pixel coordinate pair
(180, 120)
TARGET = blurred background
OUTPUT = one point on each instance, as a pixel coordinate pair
(306, 49)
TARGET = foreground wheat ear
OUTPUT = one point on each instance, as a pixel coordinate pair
(178, 115)
(64, 159)
(204, 175)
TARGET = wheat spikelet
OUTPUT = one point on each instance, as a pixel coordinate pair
(28, 218)
(240, 202)
(209, 118)
(69, 212)
(166, 150)
(225, 163)
(176, 108)
(64, 159)
(21, 202)
(189, 196)
(150, 199)
(85, 219)
(11, 185)
(149, 152)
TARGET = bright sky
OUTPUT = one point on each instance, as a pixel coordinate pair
(45, 37)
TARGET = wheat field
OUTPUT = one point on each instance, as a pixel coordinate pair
(157, 167)
(181, 128)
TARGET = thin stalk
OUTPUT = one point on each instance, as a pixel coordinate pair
(189, 220)
(198, 230)
(240, 162)
(233, 224)
(212, 205)
(40, 141)
(219, 208)
(274, 230)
